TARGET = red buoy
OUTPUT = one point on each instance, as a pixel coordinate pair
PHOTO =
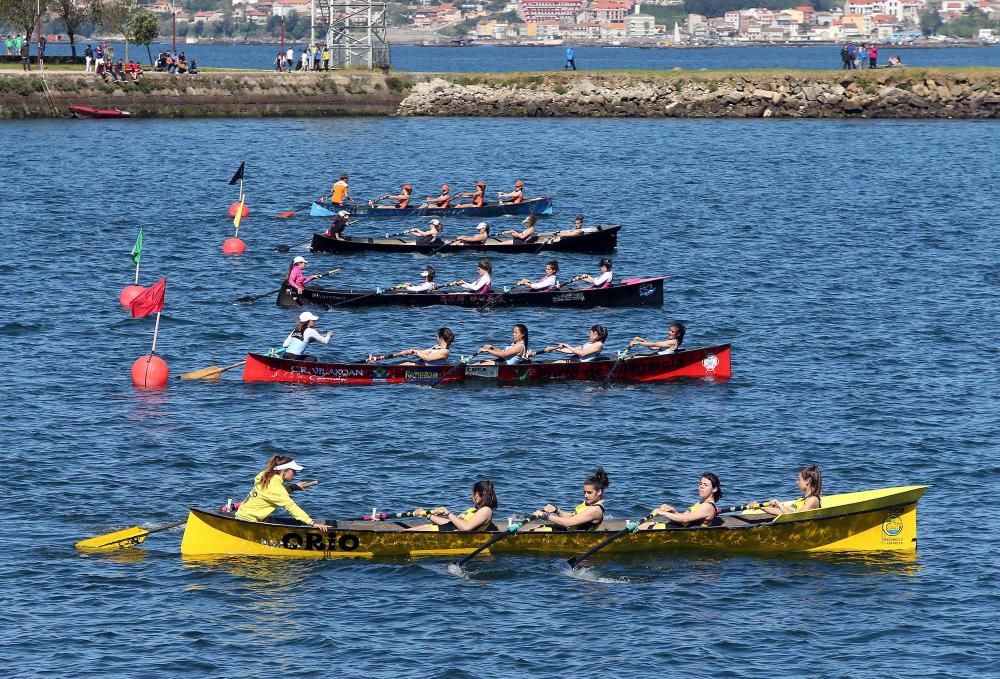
(236, 206)
(150, 372)
(233, 246)
(128, 294)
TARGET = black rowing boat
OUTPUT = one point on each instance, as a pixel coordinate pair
(600, 239)
(630, 292)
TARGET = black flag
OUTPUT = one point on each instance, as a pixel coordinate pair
(239, 174)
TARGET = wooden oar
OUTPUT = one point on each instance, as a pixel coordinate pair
(511, 530)
(129, 537)
(286, 248)
(250, 299)
(291, 213)
(629, 528)
(213, 372)
(621, 357)
(450, 372)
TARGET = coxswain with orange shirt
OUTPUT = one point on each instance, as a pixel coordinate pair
(340, 192)
(442, 201)
(516, 196)
(478, 196)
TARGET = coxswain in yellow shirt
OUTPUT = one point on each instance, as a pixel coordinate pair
(269, 493)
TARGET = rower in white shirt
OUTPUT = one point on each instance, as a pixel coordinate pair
(482, 284)
(300, 337)
(604, 279)
(547, 282)
(426, 286)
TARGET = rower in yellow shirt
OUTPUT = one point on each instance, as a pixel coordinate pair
(269, 493)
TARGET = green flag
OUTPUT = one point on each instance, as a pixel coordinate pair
(137, 248)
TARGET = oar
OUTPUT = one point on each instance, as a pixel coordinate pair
(212, 372)
(397, 515)
(286, 248)
(498, 297)
(438, 249)
(511, 530)
(129, 537)
(291, 213)
(250, 299)
(622, 355)
(629, 528)
(449, 373)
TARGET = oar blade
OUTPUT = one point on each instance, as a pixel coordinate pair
(212, 372)
(286, 214)
(128, 537)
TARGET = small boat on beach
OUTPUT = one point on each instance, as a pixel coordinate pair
(879, 520)
(630, 292)
(540, 206)
(594, 240)
(703, 362)
(88, 112)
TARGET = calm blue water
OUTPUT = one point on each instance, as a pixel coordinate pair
(480, 59)
(852, 264)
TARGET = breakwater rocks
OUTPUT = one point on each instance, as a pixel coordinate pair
(229, 94)
(887, 93)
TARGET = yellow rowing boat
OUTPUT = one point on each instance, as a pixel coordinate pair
(872, 520)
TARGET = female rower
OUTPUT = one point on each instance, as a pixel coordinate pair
(525, 236)
(295, 277)
(587, 515)
(702, 512)
(436, 355)
(587, 352)
(515, 196)
(810, 484)
(302, 334)
(482, 235)
(482, 284)
(547, 282)
(513, 353)
(430, 235)
(478, 196)
(269, 493)
(475, 518)
(604, 279)
(675, 337)
(339, 223)
(427, 285)
(442, 201)
(402, 200)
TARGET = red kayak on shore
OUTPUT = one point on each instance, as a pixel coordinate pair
(88, 112)
(702, 362)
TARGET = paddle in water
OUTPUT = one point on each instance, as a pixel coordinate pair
(622, 355)
(629, 528)
(455, 567)
(250, 299)
(120, 539)
(213, 372)
(291, 213)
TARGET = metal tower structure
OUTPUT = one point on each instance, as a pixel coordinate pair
(356, 32)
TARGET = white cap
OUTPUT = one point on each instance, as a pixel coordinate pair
(289, 465)
(299, 260)
(307, 316)
(425, 272)
(483, 225)
(435, 222)
(526, 219)
(344, 213)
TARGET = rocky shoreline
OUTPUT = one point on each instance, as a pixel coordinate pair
(888, 93)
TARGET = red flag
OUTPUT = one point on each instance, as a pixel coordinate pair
(150, 300)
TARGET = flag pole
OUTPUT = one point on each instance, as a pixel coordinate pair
(156, 329)
(137, 273)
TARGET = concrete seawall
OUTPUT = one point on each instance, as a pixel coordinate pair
(886, 93)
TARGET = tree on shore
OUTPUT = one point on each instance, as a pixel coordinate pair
(20, 15)
(73, 13)
(929, 19)
(142, 30)
(115, 15)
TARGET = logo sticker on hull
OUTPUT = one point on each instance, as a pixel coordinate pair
(487, 371)
(710, 363)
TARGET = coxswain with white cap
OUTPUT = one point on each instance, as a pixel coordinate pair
(269, 493)
(515, 196)
(296, 277)
(426, 286)
(429, 235)
(527, 235)
(481, 236)
(339, 223)
(300, 337)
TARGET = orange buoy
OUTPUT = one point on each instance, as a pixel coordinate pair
(129, 293)
(236, 206)
(233, 246)
(150, 372)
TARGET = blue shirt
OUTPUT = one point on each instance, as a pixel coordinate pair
(569, 53)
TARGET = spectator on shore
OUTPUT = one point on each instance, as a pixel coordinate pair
(847, 57)
(182, 66)
(873, 56)
(120, 71)
(278, 62)
(8, 42)
(193, 68)
(385, 68)
(18, 42)
(88, 58)
(289, 58)
(304, 60)
(317, 58)
(326, 57)
(895, 61)
(570, 59)
(41, 50)
(25, 58)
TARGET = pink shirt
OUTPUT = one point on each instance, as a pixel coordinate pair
(297, 279)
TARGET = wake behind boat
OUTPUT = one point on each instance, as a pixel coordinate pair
(704, 362)
(878, 520)
(541, 205)
(630, 292)
(595, 240)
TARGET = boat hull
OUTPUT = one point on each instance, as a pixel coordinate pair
(533, 206)
(88, 112)
(595, 240)
(704, 362)
(882, 520)
(630, 293)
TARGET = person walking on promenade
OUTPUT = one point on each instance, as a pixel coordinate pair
(873, 56)
(845, 57)
(570, 58)
(9, 44)
(289, 58)
(88, 58)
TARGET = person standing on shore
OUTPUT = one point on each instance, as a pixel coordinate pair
(570, 58)
(873, 56)
(25, 58)
(9, 44)
(88, 58)
(844, 58)
(326, 57)
(289, 58)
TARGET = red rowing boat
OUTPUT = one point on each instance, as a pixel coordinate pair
(702, 362)
(88, 112)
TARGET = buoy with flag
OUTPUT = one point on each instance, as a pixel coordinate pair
(150, 371)
(238, 210)
(131, 291)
